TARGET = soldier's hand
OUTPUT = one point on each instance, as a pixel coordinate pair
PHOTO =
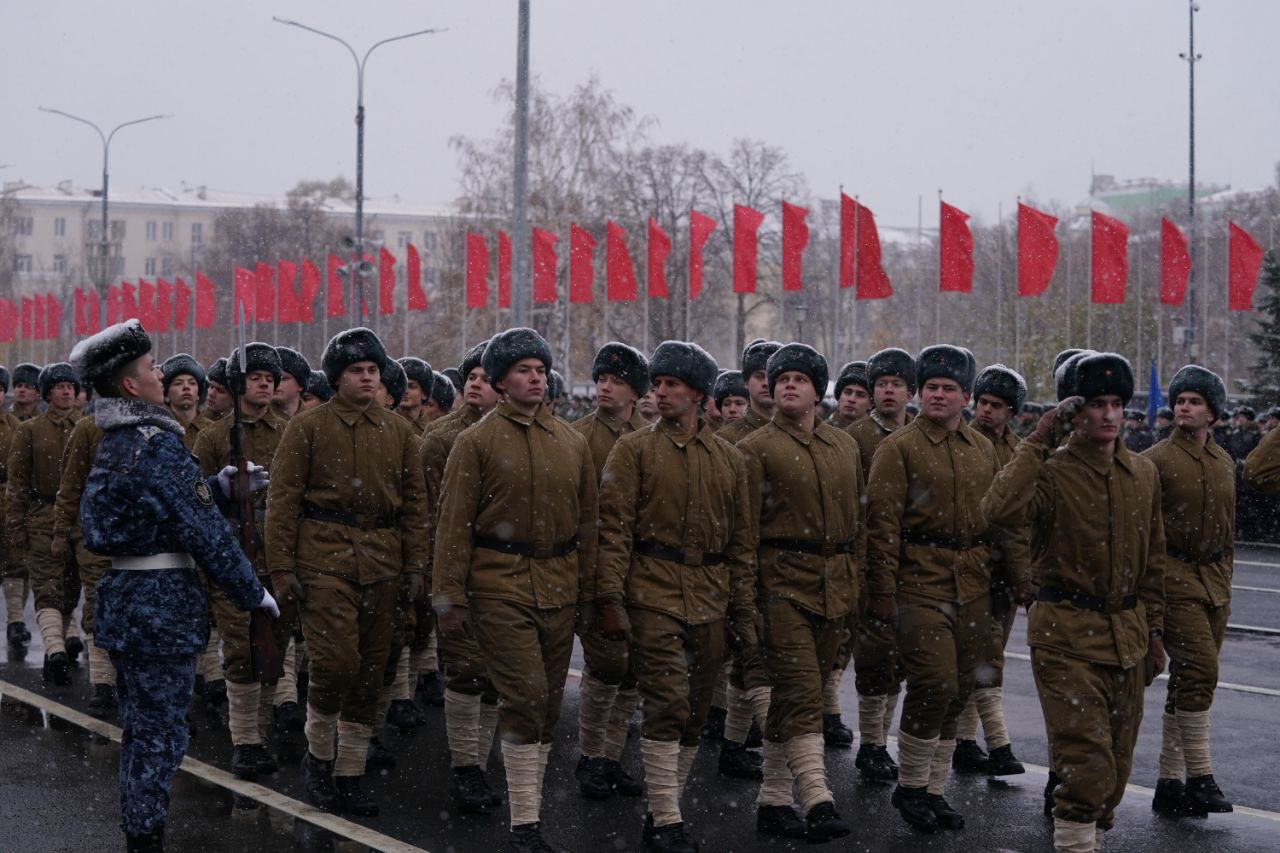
(1156, 658)
(412, 587)
(584, 619)
(1055, 423)
(612, 619)
(880, 610)
(287, 587)
(450, 620)
(743, 635)
(1024, 594)
(269, 604)
(58, 547)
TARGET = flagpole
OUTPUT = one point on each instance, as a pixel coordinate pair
(937, 298)
(1067, 289)
(919, 287)
(853, 309)
(1088, 302)
(1017, 301)
(1138, 248)
(1226, 316)
(999, 282)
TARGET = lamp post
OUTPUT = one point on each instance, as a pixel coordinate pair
(1191, 58)
(103, 270)
(802, 314)
(357, 292)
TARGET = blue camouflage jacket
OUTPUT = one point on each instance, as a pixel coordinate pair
(145, 496)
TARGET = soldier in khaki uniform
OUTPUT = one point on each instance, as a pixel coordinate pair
(1262, 465)
(294, 374)
(515, 547)
(805, 493)
(346, 521)
(731, 396)
(35, 469)
(185, 387)
(609, 695)
(218, 400)
(877, 669)
(13, 572)
(470, 702)
(317, 392)
(440, 401)
(1198, 496)
(420, 380)
(676, 550)
(1094, 515)
(26, 391)
(998, 394)
(853, 395)
(249, 702)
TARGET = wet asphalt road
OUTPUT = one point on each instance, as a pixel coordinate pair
(58, 790)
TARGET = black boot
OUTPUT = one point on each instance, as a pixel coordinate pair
(913, 805)
(622, 781)
(1001, 762)
(755, 738)
(432, 690)
(251, 760)
(969, 758)
(1170, 798)
(822, 824)
(351, 800)
(781, 821)
(75, 646)
(16, 635)
(666, 839)
(215, 694)
(887, 765)
(713, 728)
(57, 670)
(102, 704)
(317, 781)
(947, 817)
(1049, 788)
(871, 765)
(593, 778)
(835, 733)
(739, 762)
(1204, 795)
(400, 715)
(289, 717)
(378, 756)
(470, 790)
(152, 842)
(527, 838)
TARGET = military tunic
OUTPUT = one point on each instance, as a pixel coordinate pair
(1011, 559)
(35, 470)
(743, 427)
(77, 461)
(192, 431)
(1262, 465)
(10, 565)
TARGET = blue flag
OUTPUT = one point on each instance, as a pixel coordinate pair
(1154, 400)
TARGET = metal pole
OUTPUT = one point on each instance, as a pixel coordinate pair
(1017, 302)
(1191, 57)
(1000, 282)
(1088, 302)
(918, 277)
(937, 314)
(520, 284)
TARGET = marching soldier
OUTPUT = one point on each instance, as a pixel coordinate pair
(421, 379)
(294, 374)
(853, 395)
(647, 406)
(147, 507)
(35, 469)
(185, 387)
(218, 399)
(440, 403)
(877, 668)
(346, 519)
(805, 493)
(1095, 631)
(317, 392)
(26, 391)
(13, 571)
(391, 385)
(676, 569)
(515, 546)
(1197, 493)
(998, 394)
(609, 695)
(731, 396)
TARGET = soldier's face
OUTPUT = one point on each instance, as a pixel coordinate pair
(941, 400)
(733, 408)
(794, 393)
(359, 383)
(1191, 412)
(992, 412)
(62, 396)
(1100, 418)
(218, 399)
(145, 383)
(647, 405)
(854, 402)
(478, 392)
(526, 382)
(613, 395)
(184, 392)
(758, 388)
(259, 387)
(675, 399)
(431, 409)
(891, 395)
(412, 398)
(288, 391)
(309, 401)
(23, 393)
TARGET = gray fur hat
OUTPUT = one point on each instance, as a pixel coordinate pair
(29, 373)
(257, 356)
(318, 386)
(853, 373)
(893, 361)
(1064, 375)
(97, 358)
(686, 361)
(217, 372)
(1003, 382)
(1198, 380)
(295, 364)
(729, 384)
(473, 358)
(419, 371)
(176, 365)
(802, 358)
(443, 392)
(508, 348)
(755, 356)
(456, 379)
(944, 361)
(626, 363)
(1102, 373)
(555, 386)
(347, 347)
(394, 380)
(52, 374)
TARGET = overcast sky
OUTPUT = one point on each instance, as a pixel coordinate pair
(892, 99)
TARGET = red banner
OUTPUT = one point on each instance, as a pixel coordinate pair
(38, 318)
(1244, 259)
(582, 265)
(8, 322)
(620, 273)
(308, 291)
(746, 225)
(164, 305)
(1109, 259)
(955, 251)
(700, 228)
(287, 302)
(659, 247)
(87, 318)
(1037, 250)
(243, 295)
(415, 296)
(544, 266)
(52, 316)
(795, 236)
(504, 270)
(206, 302)
(146, 305)
(1175, 264)
(860, 251)
(477, 271)
(28, 318)
(264, 300)
(386, 281)
(128, 302)
(335, 303)
(181, 304)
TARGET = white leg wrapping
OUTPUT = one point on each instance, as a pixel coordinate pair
(805, 758)
(940, 766)
(1194, 726)
(871, 719)
(1072, 837)
(1172, 765)
(353, 748)
(595, 704)
(522, 760)
(462, 725)
(775, 790)
(661, 778)
(990, 704)
(242, 713)
(915, 760)
(320, 731)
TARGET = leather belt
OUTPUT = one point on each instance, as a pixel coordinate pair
(44, 499)
(941, 540)
(152, 563)
(1084, 601)
(816, 547)
(1195, 559)
(527, 549)
(363, 521)
(683, 556)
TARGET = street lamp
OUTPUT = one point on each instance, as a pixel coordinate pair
(357, 298)
(802, 314)
(103, 271)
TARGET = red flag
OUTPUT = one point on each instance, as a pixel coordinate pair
(1175, 264)
(335, 304)
(115, 305)
(477, 271)
(1037, 250)
(264, 300)
(659, 247)
(8, 322)
(1244, 259)
(544, 266)
(94, 312)
(53, 316)
(181, 304)
(206, 304)
(310, 286)
(795, 236)
(746, 223)
(164, 304)
(955, 266)
(700, 228)
(80, 325)
(620, 273)
(85, 321)
(1110, 258)
(147, 305)
(582, 269)
(860, 251)
(128, 302)
(38, 318)
(243, 293)
(504, 270)
(28, 316)
(287, 309)
(416, 298)
(386, 281)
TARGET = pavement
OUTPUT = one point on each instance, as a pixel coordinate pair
(59, 771)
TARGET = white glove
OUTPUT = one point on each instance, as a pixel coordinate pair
(269, 604)
(258, 478)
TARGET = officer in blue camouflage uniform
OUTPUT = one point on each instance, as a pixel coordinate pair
(146, 506)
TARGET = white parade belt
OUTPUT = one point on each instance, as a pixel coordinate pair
(153, 563)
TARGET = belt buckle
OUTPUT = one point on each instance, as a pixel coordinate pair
(693, 556)
(1114, 604)
(828, 550)
(543, 551)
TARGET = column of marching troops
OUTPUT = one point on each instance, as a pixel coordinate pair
(722, 551)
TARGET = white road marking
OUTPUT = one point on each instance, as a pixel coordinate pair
(302, 811)
(1255, 588)
(1164, 676)
(1254, 629)
(1258, 563)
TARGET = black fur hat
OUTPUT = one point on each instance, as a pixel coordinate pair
(4, 378)
(1064, 375)
(30, 374)
(1061, 358)
(346, 348)
(1167, 413)
(456, 379)
(729, 384)
(293, 363)
(508, 348)
(755, 356)
(626, 363)
(944, 361)
(474, 358)
(686, 361)
(217, 372)
(176, 365)
(52, 374)
(802, 358)
(1101, 373)
(318, 386)
(394, 380)
(853, 373)
(1003, 382)
(97, 358)
(1247, 413)
(555, 386)
(257, 356)
(443, 392)
(1198, 380)
(419, 371)
(893, 362)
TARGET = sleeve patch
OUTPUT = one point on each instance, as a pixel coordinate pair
(203, 492)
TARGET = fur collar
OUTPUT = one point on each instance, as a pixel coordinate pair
(118, 413)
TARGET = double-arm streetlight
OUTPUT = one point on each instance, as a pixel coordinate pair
(357, 266)
(104, 244)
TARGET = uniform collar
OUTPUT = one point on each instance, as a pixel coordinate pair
(755, 419)
(821, 430)
(886, 424)
(1090, 454)
(349, 414)
(938, 434)
(270, 419)
(69, 417)
(1005, 438)
(542, 416)
(703, 432)
(616, 424)
(1211, 447)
